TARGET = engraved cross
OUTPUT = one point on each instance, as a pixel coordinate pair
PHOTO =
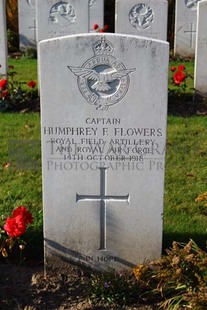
(103, 198)
(191, 31)
(34, 27)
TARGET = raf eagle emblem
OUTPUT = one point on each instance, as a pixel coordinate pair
(103, 80)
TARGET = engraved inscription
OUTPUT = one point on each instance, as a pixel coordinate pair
(191, 4)
(103, 198)
(62, 13)
(102, 80)
(91, 2)
(141, 16)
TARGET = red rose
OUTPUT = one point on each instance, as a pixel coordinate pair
(15, 226)
(4, 93)
(27, 216)
(181, 67)
(3, 84)
(106, 27)
(179, 77)
(101, 30)
(173, 68)
(31, 84)
(95, 26)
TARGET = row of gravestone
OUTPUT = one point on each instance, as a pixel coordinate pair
(146, 18)
(149, 18)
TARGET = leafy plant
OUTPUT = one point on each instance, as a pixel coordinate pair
(30, 53)
(113, 288)
(12, 95)
(14, 227)
(179, 278)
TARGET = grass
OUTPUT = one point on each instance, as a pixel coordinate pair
(26, 69)
(186, 178)
(186, 170)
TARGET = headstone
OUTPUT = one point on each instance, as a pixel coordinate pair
(27, 23)
(185, 27)
(147, 18)
(103, 149)
(96, 11)
(60, 18)
(3, 39)
(200, 76)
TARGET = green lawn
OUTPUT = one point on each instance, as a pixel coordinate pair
(186, 169)
(26, 69)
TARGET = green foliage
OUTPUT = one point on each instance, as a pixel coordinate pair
(12, 95)
(13, 41)
(179, 278)
(113, 288)
(21, 181)
(26, 69)
(30, 53)
(183, 90)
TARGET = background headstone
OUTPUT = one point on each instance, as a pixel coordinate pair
(185, 27)
(147, 18)
(200, 76)
(96, 11)
(3, 39)
(60, 18)
(27, 23)
(103, 147)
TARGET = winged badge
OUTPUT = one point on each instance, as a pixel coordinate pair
(102, 79)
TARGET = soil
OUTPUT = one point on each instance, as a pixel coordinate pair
(27, 288)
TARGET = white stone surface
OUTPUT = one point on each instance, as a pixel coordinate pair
(146, 18)
(27, 23)
(60, 18)
(103, 112)
(185, 27)
(96, 11)
(3, 39)
(200, 75)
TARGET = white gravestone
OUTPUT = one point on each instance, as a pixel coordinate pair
(27, 23)
(185, 27)
(96, 11)
(3, 39)
(200, 76)
(60, 18)
(147, 18)
(103, 148)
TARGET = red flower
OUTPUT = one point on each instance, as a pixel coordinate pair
(173, 68)
(15, 226)
(95, 26)
(4, 93)
(106, 27)
(31, 84)
(3, 84)
(26, 215)
(181, 67)
(179, 77)
(101, 30)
